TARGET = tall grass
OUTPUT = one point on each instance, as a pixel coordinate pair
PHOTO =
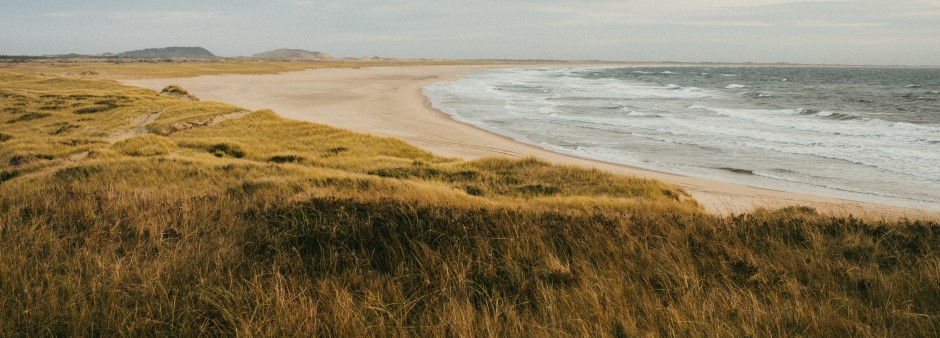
(264, 226)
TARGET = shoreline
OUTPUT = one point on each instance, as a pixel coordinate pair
(389, 101)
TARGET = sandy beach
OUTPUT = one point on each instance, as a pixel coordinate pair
(387, 101)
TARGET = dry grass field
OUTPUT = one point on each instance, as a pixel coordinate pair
(136, 69)
(124, 212)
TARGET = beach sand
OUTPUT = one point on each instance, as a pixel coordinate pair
(387, 101)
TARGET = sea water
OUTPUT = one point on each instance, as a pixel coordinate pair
(866, 134)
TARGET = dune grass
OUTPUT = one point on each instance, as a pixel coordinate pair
(263, 226)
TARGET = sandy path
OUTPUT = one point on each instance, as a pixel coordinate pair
(387, 101)
(138, 127)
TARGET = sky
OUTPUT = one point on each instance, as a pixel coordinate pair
(887, 32)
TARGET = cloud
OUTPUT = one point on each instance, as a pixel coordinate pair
(760, 3)
(825, 24)
(620, 14)
(166, 16)
(614, 8)
(393, 37)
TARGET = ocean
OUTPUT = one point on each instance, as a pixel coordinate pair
(865, 134)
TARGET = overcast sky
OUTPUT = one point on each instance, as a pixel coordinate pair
(809, 31)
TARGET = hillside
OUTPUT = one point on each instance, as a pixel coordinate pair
(128, 213)
(292, 54)
(170, 52)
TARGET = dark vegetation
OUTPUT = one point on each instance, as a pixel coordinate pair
(222, 149)
(28, 117)
(287, 159)
(169, 52)
(99, 106)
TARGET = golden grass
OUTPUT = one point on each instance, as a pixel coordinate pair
(264, 226)
(146, 145)
(137, 70)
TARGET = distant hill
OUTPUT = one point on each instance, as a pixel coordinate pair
(292, 54)
(169, 52)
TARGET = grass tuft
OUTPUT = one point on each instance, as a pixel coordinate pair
(62, 128)
(539, 190)
(147, 145)
(230, 149)
(177, 92)
(20, 160)
(29, 117)
(287, 159)
(100, 106)
(6, 175)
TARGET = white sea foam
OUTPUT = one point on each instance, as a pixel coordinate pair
(736, 86)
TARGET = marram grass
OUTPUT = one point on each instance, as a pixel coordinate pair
(262, 226)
